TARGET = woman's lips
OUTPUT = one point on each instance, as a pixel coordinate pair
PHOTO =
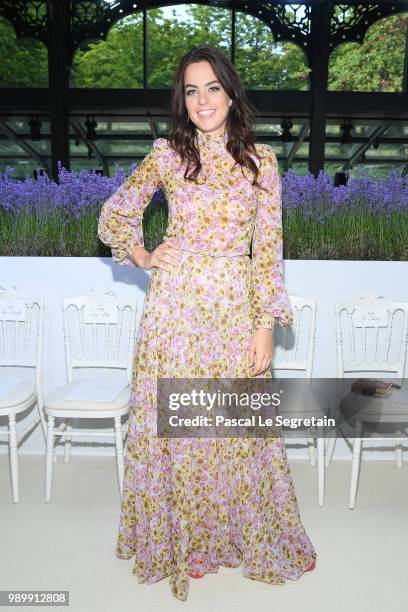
(206, 114)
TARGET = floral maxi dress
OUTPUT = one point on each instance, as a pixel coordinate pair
(198, 503)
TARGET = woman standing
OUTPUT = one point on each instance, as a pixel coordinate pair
(192, 504)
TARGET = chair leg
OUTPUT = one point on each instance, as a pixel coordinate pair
(331, 443)
(312, 454)
(49, 458)
(43, 423)
(67, 445)
(355, 468)
(119, 452)
(13, 458)
(398, 453)
(55, 450)
(320, 470)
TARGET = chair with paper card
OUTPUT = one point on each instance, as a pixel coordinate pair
(298, 356)
(99, 334)
(21, 335)
(371, 335)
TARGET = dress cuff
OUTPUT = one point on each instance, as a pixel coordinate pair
(269, 320)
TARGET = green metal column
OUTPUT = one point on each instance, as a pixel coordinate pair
(58, 27)
(320, 33)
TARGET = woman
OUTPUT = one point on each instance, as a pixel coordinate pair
(191, 505)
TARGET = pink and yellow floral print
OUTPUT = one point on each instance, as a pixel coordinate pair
(201, 503)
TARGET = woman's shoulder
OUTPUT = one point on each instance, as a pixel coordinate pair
(267, 154)
(265, 150)
(160, 144)
(162, 148)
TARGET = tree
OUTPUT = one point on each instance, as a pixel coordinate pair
(24, 61)
(375, 65)
(264, 64)
(114, 62)
(117, 61)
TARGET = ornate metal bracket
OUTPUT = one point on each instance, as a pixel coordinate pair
(92, 19)
(28, 18)
(350, 22)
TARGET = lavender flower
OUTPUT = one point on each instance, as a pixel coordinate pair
(76, 193)
(316, 198)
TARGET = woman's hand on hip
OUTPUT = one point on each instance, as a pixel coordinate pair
(260, 350)
(166, 256)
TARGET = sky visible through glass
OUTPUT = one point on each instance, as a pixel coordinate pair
(181, 9)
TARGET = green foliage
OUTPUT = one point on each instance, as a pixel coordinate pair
(357, 235)
(264, 64)
(261, 63)
(353, 236)
(171, 38)
(375, 65)
(24, 61)
(115, 62)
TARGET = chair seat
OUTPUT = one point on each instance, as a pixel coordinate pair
(299, 398)
(20, 397)
(393, 408)
(57, 404)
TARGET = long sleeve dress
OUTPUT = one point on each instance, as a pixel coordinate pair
(198, 503)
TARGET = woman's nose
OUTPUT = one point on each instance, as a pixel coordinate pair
(202, 98)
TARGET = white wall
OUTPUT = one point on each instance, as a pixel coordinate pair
(59, 277)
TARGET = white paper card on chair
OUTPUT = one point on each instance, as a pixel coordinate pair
(8, 384)
(13, 310)
(371, 317)
(96, 390)
(100, 313)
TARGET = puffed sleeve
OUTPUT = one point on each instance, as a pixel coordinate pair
(270, 301)
(120, 220)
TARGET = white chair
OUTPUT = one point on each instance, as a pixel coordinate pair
(99, 333)
(21, 338)
(297, 355)
(381, 352)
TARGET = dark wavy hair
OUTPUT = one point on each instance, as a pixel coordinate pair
(240, 118)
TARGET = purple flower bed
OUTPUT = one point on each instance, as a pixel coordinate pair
(317, 197)
(78, 192)
(366, 219)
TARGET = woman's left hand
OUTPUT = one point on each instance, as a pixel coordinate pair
(260, 350)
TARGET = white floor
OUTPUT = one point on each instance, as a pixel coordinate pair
(68, 544)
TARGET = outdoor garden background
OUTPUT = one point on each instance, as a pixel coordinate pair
(366, 219)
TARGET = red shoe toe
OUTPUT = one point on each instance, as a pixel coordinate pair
(195, 574)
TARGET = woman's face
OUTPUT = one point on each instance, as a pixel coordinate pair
(206, 101)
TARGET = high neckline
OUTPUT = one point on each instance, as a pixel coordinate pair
(211, 142)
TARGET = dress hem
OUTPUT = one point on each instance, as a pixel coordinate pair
(245, 572)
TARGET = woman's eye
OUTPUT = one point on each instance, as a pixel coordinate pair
(213, 88)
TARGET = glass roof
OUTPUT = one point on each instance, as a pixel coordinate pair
(114, 127)
(126, 142)
(8, 147)
(21, 126)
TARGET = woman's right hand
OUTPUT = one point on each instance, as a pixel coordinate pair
(166, 256)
